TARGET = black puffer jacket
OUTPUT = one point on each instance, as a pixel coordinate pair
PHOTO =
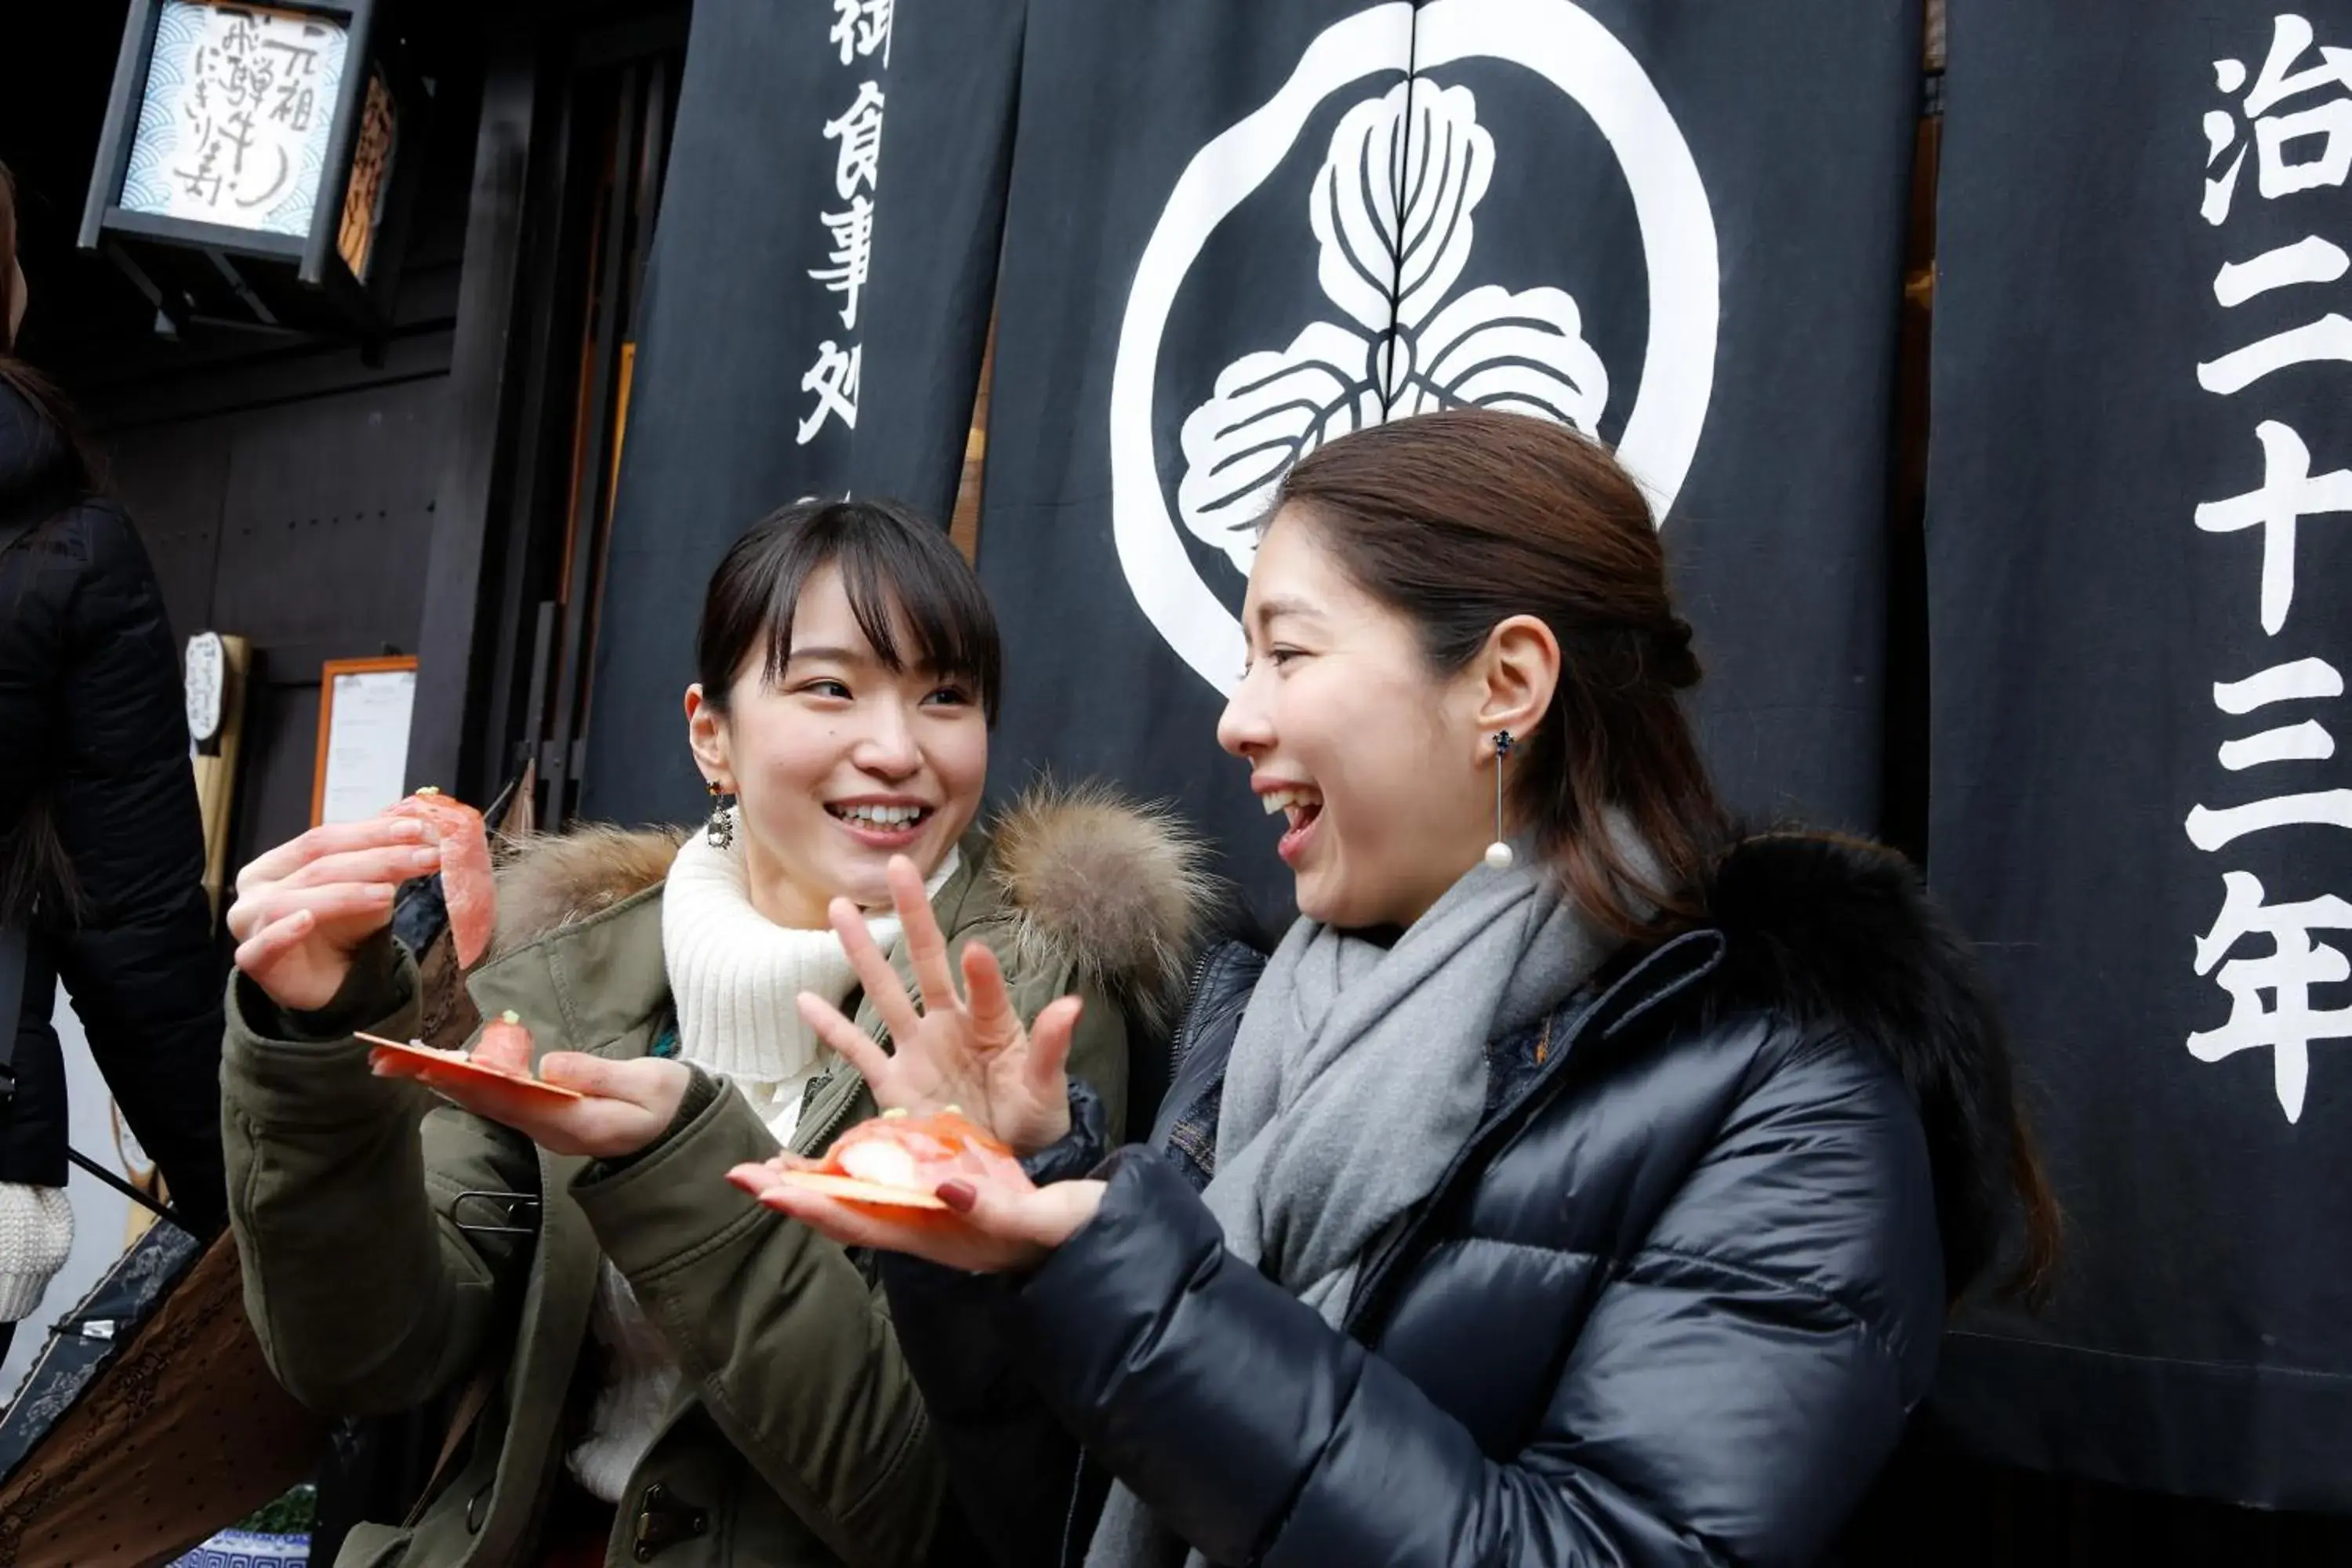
(94, 743)
(1672, 1305)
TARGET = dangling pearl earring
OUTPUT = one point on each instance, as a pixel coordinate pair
(1499, 853)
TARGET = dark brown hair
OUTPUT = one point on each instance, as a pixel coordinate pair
(1463, 519)
(899, 572)
(19, 376)
(7, 258)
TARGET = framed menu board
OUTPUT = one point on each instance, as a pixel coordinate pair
(363, 712)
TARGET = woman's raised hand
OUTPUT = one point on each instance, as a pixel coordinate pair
(963, 1048)
(304, 909)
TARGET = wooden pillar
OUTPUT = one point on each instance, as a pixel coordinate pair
(963, 524)
(444, 742)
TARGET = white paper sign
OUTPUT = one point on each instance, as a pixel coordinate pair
(367, 743)
(234, 125)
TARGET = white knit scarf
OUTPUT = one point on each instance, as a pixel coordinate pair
(734, 976)
(734, 973)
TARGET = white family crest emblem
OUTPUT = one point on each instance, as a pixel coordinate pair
(1407, 326)
(1394, 211)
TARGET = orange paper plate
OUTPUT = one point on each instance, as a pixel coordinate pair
(425, 1064)
(860, 1192)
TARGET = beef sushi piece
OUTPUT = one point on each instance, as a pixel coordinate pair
(467, 887)
(505, 1047)
(899, 1160)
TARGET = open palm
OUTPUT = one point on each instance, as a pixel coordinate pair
(994, 1224)
(966, 1048)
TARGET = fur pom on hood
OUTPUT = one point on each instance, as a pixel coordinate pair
(1115, 892)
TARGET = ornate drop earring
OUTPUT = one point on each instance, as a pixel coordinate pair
(721, 828)
(1499, 853)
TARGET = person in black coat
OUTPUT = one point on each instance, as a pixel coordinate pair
(1577, 1182)
(102, 848)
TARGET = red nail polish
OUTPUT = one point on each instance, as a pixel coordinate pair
(957, 1196)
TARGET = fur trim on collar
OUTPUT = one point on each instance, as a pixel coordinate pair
(1838, 933)
(550, 880)
(1114, 891)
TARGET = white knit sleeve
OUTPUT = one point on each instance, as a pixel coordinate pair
(37, 1231)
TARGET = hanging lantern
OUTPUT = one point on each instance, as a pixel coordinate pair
(255, 164)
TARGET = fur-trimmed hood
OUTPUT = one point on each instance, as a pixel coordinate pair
(1838, 933)
(1117, 892)
(550, 880)
(1114, 891)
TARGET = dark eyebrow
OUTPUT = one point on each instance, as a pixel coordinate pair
(1273, 609)
(861, 658)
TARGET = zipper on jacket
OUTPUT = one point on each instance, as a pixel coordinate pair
(834, 1124)
(1070, 1520)
(1184, 1019)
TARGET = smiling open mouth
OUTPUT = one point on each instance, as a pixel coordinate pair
(883, 819)
(1300, 805)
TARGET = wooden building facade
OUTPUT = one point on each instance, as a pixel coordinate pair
(443, 489)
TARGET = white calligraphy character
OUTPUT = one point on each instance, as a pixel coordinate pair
(834, 379)
(2303, 680)
(852, 255)
(2295, 965)
(861, 26)
(2329, 119)
(858, 165)
(2289, 492)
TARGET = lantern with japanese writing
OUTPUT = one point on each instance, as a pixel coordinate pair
(255, 163)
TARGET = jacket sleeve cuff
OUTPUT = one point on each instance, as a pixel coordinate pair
(1085, 1146)
(382, 978)
(701, 1089)
(673, 1198)
(281, 1069)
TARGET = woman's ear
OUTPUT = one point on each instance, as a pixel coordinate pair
(1515, 677)
(706, 731)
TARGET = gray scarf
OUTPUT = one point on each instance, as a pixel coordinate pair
(1359, 1073)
